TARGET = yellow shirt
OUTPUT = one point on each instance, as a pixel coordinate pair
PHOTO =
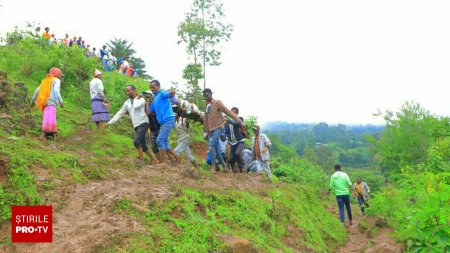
(358, 188)
(46, 36)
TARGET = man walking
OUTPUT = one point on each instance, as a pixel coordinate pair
(341, 184)
(236, 138)
(362, 191)
(166, 118)
(213, 125)
(135, 107)
(261, 145)
(184, 139)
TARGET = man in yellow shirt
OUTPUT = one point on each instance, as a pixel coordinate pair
(362, 193)
(46, 35)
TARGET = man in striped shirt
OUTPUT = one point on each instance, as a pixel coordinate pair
(214, 125)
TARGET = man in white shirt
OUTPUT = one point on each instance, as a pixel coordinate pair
(135, 107)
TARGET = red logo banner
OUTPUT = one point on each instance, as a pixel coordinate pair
(31, 223)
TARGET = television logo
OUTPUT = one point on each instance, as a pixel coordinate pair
(31, 224)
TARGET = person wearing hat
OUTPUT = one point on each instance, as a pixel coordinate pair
(214, 126)
(261, 157)
(99, 103)
(47, 96)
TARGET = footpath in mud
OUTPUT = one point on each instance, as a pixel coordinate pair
(367, 234)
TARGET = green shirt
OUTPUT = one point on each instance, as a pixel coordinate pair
(340, 182)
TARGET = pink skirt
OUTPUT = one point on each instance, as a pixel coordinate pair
(49, 119)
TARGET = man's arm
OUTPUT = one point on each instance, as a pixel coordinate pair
(367, 187)
(119, 114)
(350, 185)
(331, 186)
(228, 112)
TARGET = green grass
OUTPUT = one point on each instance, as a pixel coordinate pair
(195, 220)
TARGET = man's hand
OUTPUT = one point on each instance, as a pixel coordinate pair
(328, 192)
(107, 125)
(172, 92)
(139, 96)
(32, 104)
(61, 104)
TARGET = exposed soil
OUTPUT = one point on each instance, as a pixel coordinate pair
(4, 167)
(83, 215)
(359, 240)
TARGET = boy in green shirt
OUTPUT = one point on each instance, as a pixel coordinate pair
(341, 184)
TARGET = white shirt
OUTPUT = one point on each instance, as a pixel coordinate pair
(136, 110)
(96, 87)
(223, 145)
(182, 132)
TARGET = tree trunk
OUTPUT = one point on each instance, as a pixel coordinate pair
(204, 51)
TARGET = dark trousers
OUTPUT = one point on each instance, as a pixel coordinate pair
(139, 138)
(153, 137)
(236, 155)
(344, 200)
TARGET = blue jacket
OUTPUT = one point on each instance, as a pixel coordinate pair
(161, 106)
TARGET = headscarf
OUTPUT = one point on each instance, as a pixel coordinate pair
(46, 86)
(97, 72)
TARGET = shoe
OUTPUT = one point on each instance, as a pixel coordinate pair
(351, 223)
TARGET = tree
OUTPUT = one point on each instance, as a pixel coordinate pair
(192, 73)
(121, 48)
(325, 158)
(202, 31)
(407, 136)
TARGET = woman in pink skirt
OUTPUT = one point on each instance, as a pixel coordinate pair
(47, 96)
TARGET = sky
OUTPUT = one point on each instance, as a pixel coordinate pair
(288, 60)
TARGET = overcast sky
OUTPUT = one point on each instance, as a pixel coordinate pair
(294, 61)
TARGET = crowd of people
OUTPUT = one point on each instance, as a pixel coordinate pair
(153, 118)
(109, 61)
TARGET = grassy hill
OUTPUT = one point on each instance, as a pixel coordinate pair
(104, 202)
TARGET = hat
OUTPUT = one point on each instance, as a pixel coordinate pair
(256, 127)
(97, 72)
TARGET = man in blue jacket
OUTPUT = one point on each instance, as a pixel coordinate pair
(165, 116)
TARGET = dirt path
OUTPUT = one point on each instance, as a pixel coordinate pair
(359, 240)
(87, 220)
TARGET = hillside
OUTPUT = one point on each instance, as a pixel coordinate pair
(104, 202)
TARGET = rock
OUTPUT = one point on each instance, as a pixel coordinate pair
(381, 222)
(238, 244)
